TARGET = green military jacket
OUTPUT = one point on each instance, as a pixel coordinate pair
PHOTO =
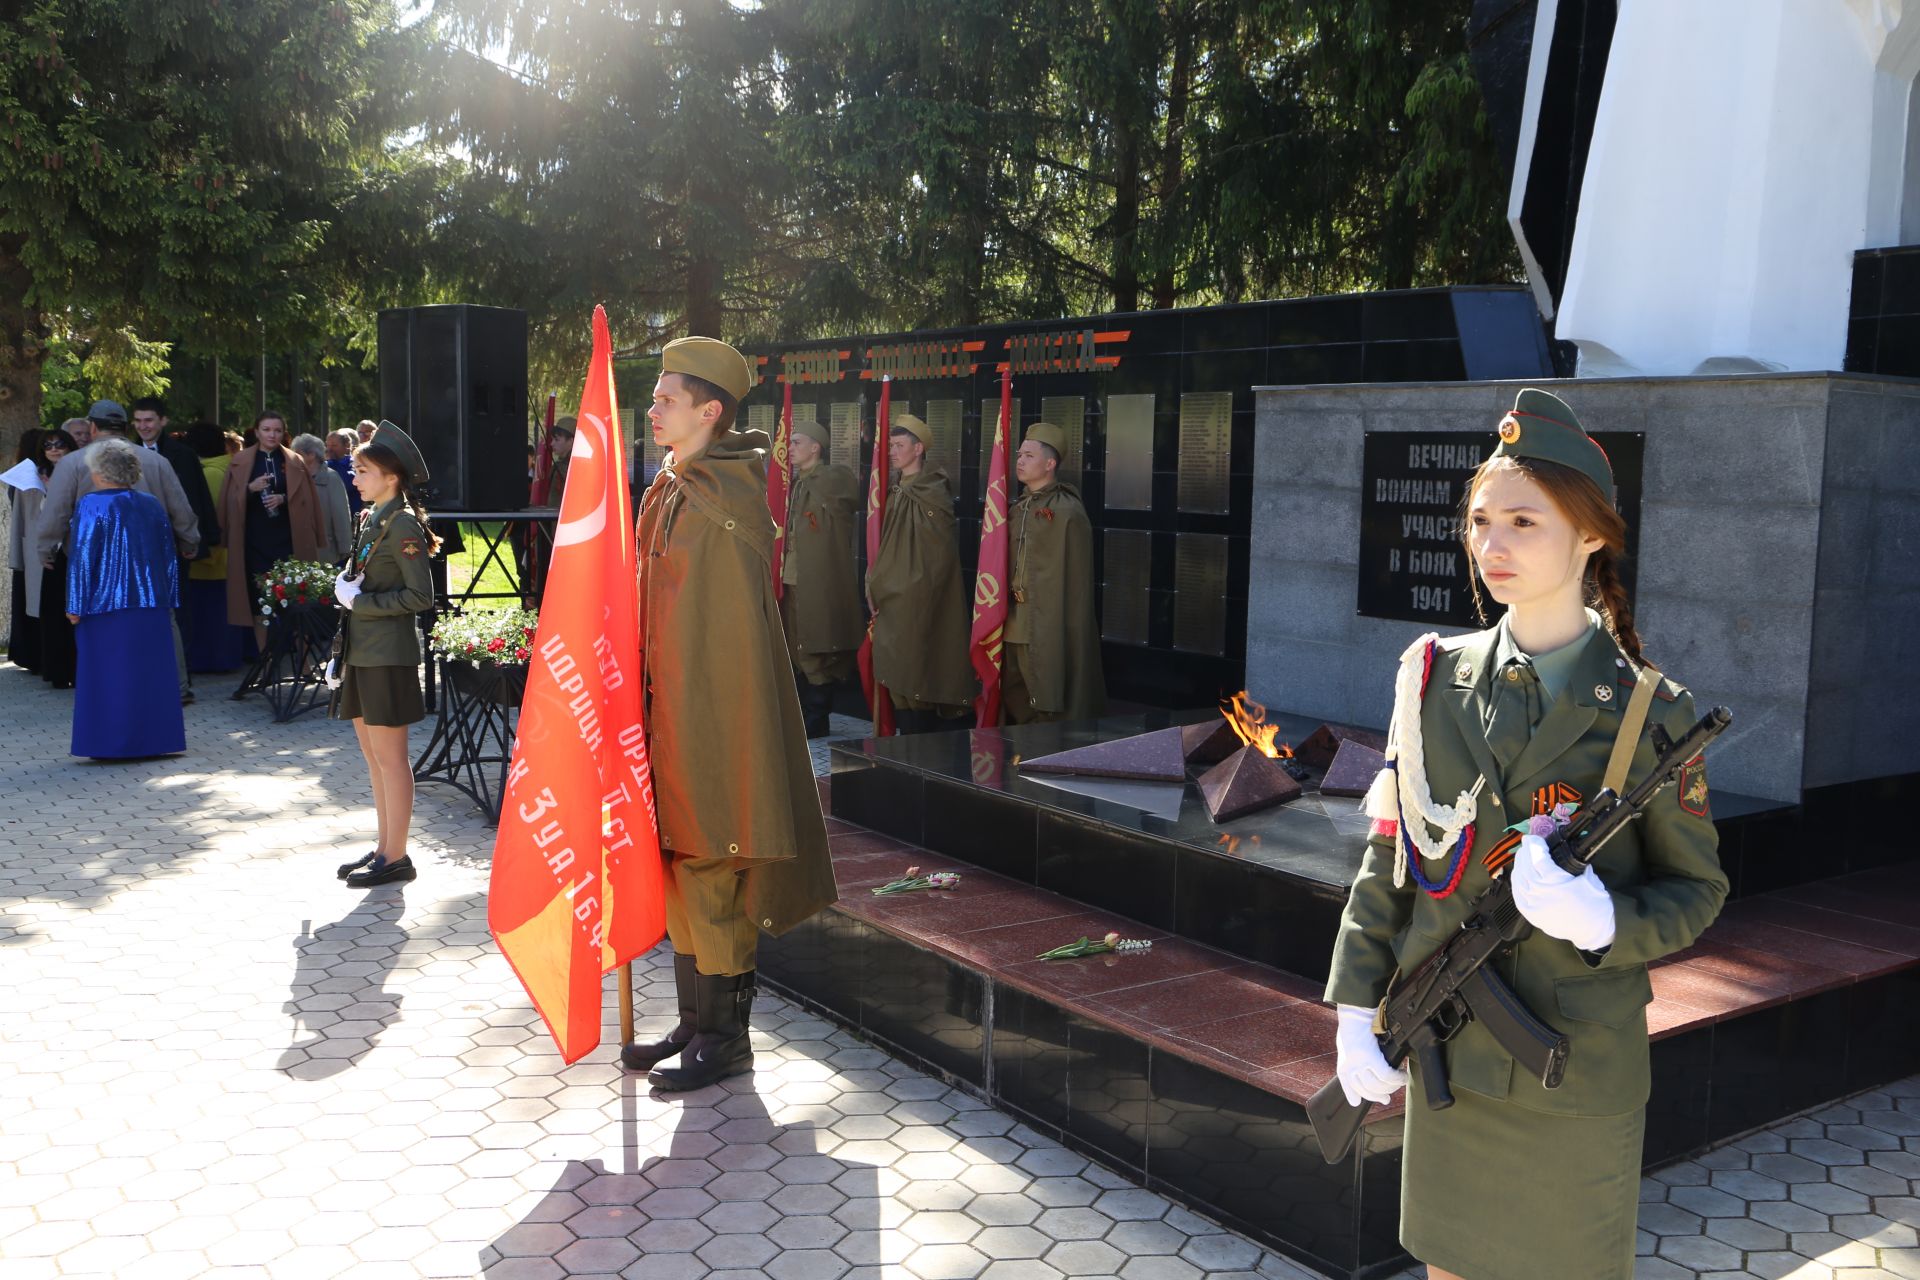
(921, 623)
(1052, 608)
(1662, 872)
(392, 551)
(819, 573)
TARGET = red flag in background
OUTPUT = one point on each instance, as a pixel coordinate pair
(990, 581)
(576, 886)
(877, 700)
(543, 459)
(779, 480)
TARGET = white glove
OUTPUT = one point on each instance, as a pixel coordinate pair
(334, 678)
(1575, 908)
(344, 590)
(1362, 1068)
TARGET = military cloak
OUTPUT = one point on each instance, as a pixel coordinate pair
(731, 773)
(1052, 608)
(822, 601)
(920, 616)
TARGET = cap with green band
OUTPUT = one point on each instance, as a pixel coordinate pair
(1542, 426)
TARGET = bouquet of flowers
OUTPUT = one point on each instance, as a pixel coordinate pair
(1113, 942)
(293, 582)
(913, 881)
(491, 637)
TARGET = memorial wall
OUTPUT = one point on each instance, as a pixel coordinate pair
(1158, 410)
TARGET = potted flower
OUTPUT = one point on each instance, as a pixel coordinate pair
(477, 644)
(294, 584)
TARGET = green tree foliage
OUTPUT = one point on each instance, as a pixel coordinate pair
(216, 172)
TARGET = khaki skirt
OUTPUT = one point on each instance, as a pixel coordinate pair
(1492, 1191)
(386, 697)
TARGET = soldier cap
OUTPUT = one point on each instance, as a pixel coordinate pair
(391, 437)
(711, 360)
(569, 425)
(914, 427)
(1542, 426)
(1049, 435)
(805, 424)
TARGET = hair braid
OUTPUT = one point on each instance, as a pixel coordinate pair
(1614, 605)
(419, 511)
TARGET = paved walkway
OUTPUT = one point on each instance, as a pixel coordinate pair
(217, 1061)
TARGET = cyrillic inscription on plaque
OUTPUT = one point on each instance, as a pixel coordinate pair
(1206, 446)
(1069, 413)
(843, 430)
(1126, 573)
(943, 419)
(1129, 453)
(1200, 592)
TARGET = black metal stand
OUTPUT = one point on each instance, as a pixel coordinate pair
(292, 669)
(472, 742)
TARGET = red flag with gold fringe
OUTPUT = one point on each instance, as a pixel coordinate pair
(779, 482)
(576, 885)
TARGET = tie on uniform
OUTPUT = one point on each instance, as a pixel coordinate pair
(1518, 704)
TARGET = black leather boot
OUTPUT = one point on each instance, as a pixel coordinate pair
(721, 1047)
(641, 1057)
(816, 704)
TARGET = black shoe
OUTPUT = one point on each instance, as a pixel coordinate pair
(186, 699)
(640, 1057)
(346, 869)
(381, 873)
(816, 705)
(721, 1047)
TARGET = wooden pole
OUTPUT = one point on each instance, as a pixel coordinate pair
(626, 1003)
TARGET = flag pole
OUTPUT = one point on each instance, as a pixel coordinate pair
(626, 1002)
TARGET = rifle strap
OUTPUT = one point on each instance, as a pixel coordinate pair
(1632, 723)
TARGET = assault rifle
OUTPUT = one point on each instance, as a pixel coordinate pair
(1457, 984)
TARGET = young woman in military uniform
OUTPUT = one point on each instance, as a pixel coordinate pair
(1515, 1181)
(384, 588)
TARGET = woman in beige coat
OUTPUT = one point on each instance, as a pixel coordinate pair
(268, 511)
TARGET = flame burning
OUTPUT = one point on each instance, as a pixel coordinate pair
(1249, 721)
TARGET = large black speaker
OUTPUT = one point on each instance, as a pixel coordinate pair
(455, 377)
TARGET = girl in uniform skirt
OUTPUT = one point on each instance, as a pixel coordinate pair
(1497, 738)
(383, 590)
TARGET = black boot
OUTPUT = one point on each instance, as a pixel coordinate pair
(641, 1056)
(816, 704)
(720, 1048)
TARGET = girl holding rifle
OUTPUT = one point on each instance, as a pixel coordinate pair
(1497, 738)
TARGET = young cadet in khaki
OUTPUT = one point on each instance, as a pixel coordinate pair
(920, 618)
(1052, 669)
(739, 811)
(820, 603)
(1516, 1181)
(382, 592)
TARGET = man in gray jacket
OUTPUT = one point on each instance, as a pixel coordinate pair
(73, 480)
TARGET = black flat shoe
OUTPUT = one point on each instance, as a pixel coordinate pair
(381, 873)
(346, 869)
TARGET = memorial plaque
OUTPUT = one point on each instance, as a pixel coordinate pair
(1129, 453)
(1069, 413)
(760, 417)
(943, 420)
(1126, 573)
(1413, 566)
(843, 430)
(1206, 448)
(1200, 593)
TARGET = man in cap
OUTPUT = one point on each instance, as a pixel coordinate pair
(739, 811)
(820, 602)
(72, 480)
(920, 618)
(562, 439)
(1052, 656)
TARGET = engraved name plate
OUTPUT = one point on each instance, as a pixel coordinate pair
(843, 429)
(1200, 592)
(943, 420)
(1069, 413)
(1129, 453)
(1126, 572)
(1206, 442)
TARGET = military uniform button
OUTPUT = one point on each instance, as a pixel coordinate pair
(729, 524)
(1604, 692)
(1513, 675)
(733, 848)
(1495, 797)
(767, 923)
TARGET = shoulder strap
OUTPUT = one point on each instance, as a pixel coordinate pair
(1632, 723)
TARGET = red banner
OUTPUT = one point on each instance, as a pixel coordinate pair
(576, 888)
(990, 581)
(543, 460)
(779, 481)
(877, 700)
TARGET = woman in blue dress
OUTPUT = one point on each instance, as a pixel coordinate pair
(123, 583)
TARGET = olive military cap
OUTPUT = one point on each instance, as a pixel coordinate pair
(1049, 435)
(1542, 426)
(914, 427)
(805, 424)
(709, 359)
(391, 437)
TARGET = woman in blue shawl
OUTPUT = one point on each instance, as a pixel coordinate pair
(123, 583)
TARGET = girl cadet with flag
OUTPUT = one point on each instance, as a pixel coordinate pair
(739, 811)
(383, 590)
(1497, 737)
